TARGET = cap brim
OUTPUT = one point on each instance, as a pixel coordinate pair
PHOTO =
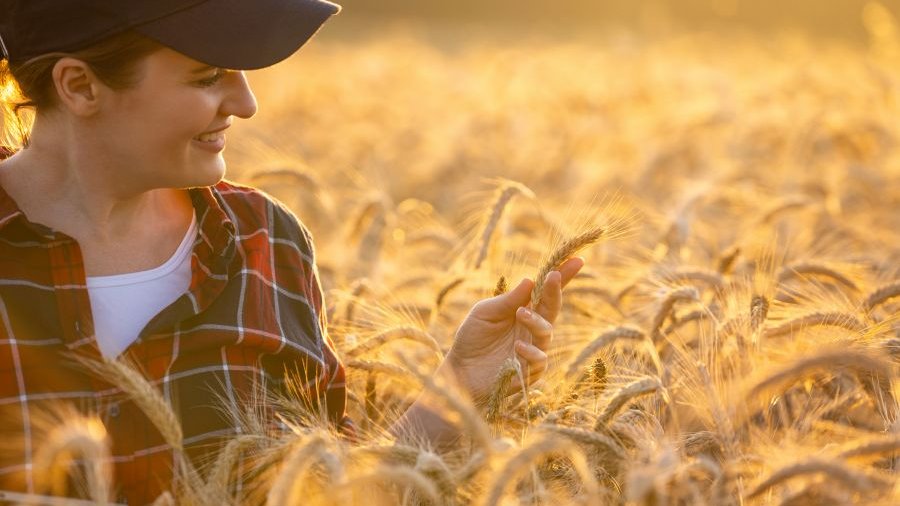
(240, 34)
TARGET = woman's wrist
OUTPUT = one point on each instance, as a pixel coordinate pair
(425, 416)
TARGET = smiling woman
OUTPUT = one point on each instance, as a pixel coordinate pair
(120, 239)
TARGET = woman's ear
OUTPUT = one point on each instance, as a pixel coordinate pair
(76, 86)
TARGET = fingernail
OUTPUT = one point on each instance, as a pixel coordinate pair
(520, 345)
(525, 312)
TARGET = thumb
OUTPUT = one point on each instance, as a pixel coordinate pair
(504, 306)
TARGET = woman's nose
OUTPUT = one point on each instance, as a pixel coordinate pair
(240, 101)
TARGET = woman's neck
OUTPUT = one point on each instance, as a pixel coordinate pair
(118, 230)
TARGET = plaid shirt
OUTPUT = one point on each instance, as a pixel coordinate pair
(253, 310)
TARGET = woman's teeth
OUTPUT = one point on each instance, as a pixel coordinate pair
(213, 137)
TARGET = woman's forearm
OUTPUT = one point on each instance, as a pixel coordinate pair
(426, 419)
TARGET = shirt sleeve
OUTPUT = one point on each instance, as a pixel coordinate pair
(332, 385)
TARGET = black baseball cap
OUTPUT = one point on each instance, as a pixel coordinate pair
(232, 34)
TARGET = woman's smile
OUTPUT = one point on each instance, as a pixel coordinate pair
(213, 142)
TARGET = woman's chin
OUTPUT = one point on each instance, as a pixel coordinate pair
(204, 174)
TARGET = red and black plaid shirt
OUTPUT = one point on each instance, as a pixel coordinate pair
(253, 310)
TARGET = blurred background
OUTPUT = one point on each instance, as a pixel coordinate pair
(405, 119)
(834, 19)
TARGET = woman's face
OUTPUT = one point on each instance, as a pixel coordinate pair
(168, 130)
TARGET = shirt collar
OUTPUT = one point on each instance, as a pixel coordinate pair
(9, 210)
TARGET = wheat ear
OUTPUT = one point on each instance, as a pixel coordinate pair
(143, 393)
(727, 259)
(293, 472)
(874, 447)
(633, 390)
(759, 311)
(501, 287)
(567, 249)
(433, 466)
(391, 334)
(829, 360)
(371, 400)
(404, 476)
(835, 470)
(813, 268)
(504, 196)
(445, 290)
(684, 293)
(531, 454)
(603, 340)
(402, 454)
(881, 295)
(846, 321)
(696, 274)
(76, 437)
(588, 438)
(220, 474)
(510, 368)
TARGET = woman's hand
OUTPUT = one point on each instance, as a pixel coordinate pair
(496, 327)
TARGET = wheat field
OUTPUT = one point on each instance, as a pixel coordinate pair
(734, 341)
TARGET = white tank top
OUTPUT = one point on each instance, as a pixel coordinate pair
(123, 304)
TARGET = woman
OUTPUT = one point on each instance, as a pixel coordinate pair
(118, 236)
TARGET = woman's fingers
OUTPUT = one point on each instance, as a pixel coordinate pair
(535, 362)
(551, 294)
(570, 268)
(500, 307)
(541, 330)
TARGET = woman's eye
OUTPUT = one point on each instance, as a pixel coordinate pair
(209, 81)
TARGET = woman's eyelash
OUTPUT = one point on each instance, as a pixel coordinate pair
(209, 81)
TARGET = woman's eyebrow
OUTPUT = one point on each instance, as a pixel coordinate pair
(204, 68)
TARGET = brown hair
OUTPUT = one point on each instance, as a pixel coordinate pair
(29, 84)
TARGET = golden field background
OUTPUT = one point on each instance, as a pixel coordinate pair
(736, 343)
